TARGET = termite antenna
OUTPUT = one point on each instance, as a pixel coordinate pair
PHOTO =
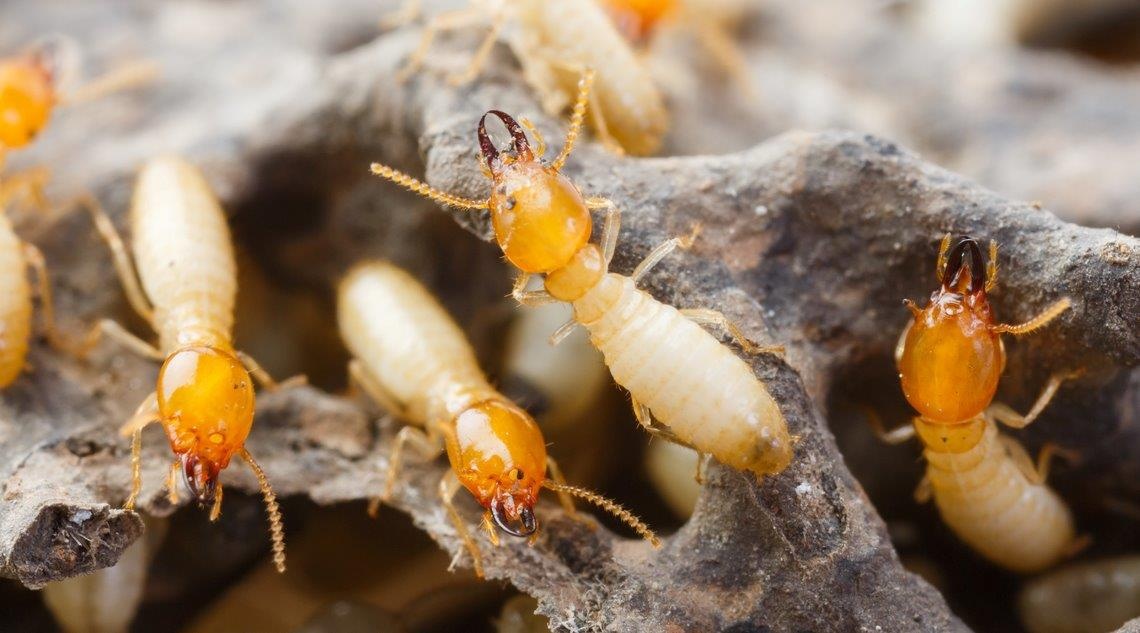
(276, 530)
(426, 190)
(585, 83)
(612, 507)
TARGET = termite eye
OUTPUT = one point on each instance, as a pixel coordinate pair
(511, 202)
(518, 474)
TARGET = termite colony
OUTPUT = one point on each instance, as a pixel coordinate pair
(687, 373)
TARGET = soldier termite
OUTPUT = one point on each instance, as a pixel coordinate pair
(554, 42)
(1088, 597)
(985, 485)
(706, 397)
(413, 359)
(183, 257)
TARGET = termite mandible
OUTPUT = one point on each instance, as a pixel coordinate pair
(705, 396)
(411, 357)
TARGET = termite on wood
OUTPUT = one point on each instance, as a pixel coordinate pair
(413, 359)
(204, 398)
(704, 395)
(985, 485)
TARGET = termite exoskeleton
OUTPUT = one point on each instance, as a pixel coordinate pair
(555, 42)
(703, 393)
(413, 359)
(1090, 597)
(184, 259)
(985, 485)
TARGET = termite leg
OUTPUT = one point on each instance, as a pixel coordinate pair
(425, 444)
(446, 21)
(662, 251)
(448, 486)
(1037, 473)
(943, 249)
(264, 379)
(992, 268)
(488, 525)
(645, 419)
(562, 332)
(359, 375)
(1036, 322)
(1006, 415)
(895, 436)
(724, 50)
(31, 183)
(702, 465)
(406, 14)
(526, 297)
(117, 80)
(479, 59)
(707, 317)
(120, 335)
(584, 98)
(172, 482)
(35, 260)
(128, 275)
(610, 229)
(924, 491)
(146, 413)
(216, 509)
(563, 497)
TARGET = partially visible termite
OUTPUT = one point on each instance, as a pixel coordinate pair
(703, 393)
(555, 42)
(413, 359)
(985, 485)
(1090, 597)
(204, 399)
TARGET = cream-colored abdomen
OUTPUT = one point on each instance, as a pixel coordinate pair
(15, 305)
(184, 255)
(985, 498)
(407, 341)
(579, 33)
(691, 382)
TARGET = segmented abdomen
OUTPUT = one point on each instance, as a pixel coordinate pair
(15, 305)
(985, 498)
(184, 254)
(692, 382)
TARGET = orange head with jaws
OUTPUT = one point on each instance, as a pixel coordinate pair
(27, 98)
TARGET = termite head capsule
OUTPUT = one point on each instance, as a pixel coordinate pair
(539, 216)
(500, 456)
(637, 19)
(950, 359)
(205, 400)
(27, 96)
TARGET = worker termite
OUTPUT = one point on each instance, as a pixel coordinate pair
(985, 485)
(1089, 597)
(183, 256)
(554, 42)
(413, 359)
(704, 394)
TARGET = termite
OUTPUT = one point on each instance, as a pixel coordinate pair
(1089, 597)
(554, 42)
(704, 395)
(984, 483)
(204, 397)
(411, 357)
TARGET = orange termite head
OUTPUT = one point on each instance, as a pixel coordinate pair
(539, 216)
(951, 359)
(27, 97)
(205, 401)
(499, 454)
(637, 19)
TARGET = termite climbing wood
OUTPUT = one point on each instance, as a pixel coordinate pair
(413, 359)
(703, 393)
(204, 397)
(985, 485)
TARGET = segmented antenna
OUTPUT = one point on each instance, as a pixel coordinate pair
(1040, 320)
(276, 530)
(612, 507)
(426, 190)
(585, 82)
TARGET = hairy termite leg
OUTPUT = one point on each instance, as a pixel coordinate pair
(563, 498)
(124, 266)
(359, 375)
(116, 332)
(895, 436)
(943, 250)
(35, 260)
(610, 229)
(124, 78)
(1047, 315)
(662, 251)
(446, 21)
(526, 297)
(422, 188)
(992, 268)
(924, 491)
(448, 486)
(1037, 473)
(406, 14)
(264, 379)
(276, 526)
(585, 84)
(146, 413)
(479, 59)
(645, 419)
(172, 482)
(1006, 415)
(488, 525)
(539, 142)
(724, 50)
(427, 445)
(707, 317)
(562, 332)
(216, 508)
